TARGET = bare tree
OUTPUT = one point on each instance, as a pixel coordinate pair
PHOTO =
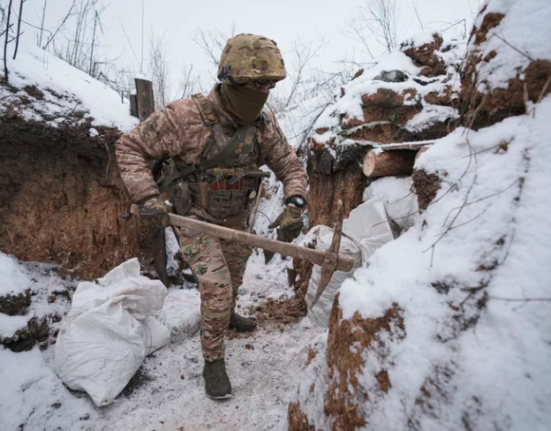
(159, 70)
(7, 40)
(189, 81)
(212, 42)
(42, 23)
(374, 26)
(61, 26)
(302, 55)
(416, 10)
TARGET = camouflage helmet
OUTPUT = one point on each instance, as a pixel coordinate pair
(248, 57)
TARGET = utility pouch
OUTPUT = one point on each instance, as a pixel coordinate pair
(180, 196)
(227, 203)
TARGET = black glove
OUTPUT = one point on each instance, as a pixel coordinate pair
(289, 222)
(154, 213)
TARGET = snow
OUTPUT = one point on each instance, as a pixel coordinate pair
(398, 196)
(9, 325)
(66, 89)
(431, 114)
(473, 286)
(420, 39)
(414, 89)
(521, 36)
(31, 394)
(12, 279)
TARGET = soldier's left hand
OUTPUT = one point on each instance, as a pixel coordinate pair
(289, 222)
(154, 213)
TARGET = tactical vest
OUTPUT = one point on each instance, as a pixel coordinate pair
(224, 185)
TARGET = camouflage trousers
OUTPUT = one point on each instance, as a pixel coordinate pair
(219, 266)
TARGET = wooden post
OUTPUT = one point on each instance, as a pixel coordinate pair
(134, 106)
(144, 98)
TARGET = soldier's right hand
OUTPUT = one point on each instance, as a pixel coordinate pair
(154, 213)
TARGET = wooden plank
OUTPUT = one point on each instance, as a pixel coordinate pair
(405, 145)
(144, 98)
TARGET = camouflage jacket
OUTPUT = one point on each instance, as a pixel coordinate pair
(178, 131)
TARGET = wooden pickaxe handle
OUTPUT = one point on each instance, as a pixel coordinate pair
(317, 257)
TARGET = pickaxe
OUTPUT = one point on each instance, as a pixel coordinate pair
(329, 260)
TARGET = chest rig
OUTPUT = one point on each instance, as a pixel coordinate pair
(224, 185)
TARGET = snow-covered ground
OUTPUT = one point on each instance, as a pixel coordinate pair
(170, 390)
(45, 88)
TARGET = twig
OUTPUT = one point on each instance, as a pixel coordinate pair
(543, 90)
(130, 44)
(3, 32)
(108, 156)
(18, 28)
(42, 25)
(519, 299)
(414, 2)
(52, 37)
(515, 48)
(484, 198)
(6, 42)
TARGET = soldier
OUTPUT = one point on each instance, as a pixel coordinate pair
(215, 145)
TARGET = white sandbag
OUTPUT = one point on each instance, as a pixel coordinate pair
(183, 313)
(366, 229)
(400, 202)
(369, 226)
(109, 330)
(320, 313)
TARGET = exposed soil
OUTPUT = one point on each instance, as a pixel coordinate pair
(298, 421)
(435, 131)
(440, 98)
(491, 20)
(25, 339)
(288, 310)
(380, 133)
(331, 180)
(341, 402)
(384, 98)
(425, 56)
(485, 108)
(61, 198)
(15, 305)
(426, 186)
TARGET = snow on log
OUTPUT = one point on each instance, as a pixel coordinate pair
(394, 163)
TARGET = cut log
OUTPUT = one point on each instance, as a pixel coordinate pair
(391, 163)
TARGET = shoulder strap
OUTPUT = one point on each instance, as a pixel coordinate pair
(215, 160)
(205, 109)
(228, 150)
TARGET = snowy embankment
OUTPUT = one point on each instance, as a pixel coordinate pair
(449, 326)
(43, 87)
(403, 96)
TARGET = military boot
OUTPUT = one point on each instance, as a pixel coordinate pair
(242, 324)
(217, 382)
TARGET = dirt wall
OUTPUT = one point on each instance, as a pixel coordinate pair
(61, 198)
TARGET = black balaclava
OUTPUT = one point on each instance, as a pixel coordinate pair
(245, 104)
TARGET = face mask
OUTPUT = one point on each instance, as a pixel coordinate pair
(243, 103)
